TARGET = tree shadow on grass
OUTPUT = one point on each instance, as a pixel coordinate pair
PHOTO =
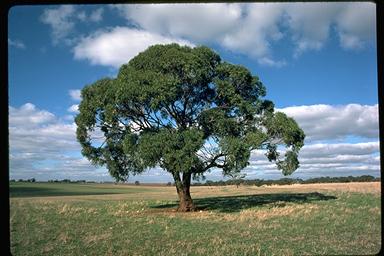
(229, 204)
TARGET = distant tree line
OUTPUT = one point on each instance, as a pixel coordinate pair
(237, 182)
(70, 181)
(289, 181)
(21, 180)
(53, 181)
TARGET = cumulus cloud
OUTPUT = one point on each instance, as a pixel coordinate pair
(340, 152)
(332, 159)
(311, 24)
(255, 31)
(55, 167)
(42, 146)
(45, 138)
(74, 108)
(75, 95)
(242, 28)
(356, 25)
(198, 22)
(60, 20)
(28, 116)
(253, 28)
(116, 46)
(327, 122)
(330, 123)
(337, 149)
(63, 19)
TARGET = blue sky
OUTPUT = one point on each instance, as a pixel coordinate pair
(317, 60)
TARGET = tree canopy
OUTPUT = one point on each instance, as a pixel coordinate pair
(187, 111)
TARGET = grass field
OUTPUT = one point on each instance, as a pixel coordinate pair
(98, 219)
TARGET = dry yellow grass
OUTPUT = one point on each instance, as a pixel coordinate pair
(169, 193)
(361, 187)
(247, 220)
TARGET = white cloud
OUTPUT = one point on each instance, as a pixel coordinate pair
(198, 22)
(253, 28)
(63, 20)
(48, 138)
(27, 115)
(347, 158)
(326, 122)
(55, 167)
(321, 159)
(116, 46)
(243, 28)
(310, 24)
(75, 95)
(329, 152)
(16, 43)
(74, 108)
(271, 63)
(42, 146)
(356, 25)
(255, 31)
(337, 149)
(60, 20)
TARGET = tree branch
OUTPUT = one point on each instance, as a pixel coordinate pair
(212, 162)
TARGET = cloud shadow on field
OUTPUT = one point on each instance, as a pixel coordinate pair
(26, 191)
(229, 204)
(60, 190)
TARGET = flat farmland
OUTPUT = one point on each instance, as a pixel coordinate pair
(108, 219)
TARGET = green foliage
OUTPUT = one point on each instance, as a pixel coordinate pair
(185, 110)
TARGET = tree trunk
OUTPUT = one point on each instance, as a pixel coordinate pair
(183, 191)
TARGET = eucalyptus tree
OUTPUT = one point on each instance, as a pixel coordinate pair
(186, 111)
